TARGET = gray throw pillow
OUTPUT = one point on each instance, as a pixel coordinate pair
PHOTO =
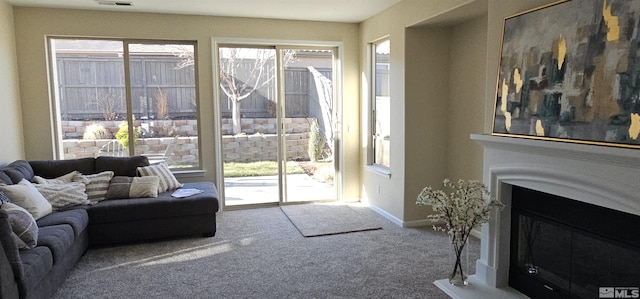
(133, 187)
(23, 226)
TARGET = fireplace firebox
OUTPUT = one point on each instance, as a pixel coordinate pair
(563, 248)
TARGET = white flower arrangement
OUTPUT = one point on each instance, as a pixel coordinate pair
(460, 210)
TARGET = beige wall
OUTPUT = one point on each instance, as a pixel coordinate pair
(423, 34)
(11, 147)
(443, 59)
(33, 24)
(467, 62)
(426, 115)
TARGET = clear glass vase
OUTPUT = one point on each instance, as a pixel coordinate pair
(458, 277)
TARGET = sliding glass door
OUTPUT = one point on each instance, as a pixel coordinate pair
(277, 114)
(309, 116)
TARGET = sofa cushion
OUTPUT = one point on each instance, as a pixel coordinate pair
(36, 262)
(133, 187)
(9, 245)
(77, 218)
(23, 227)
(27, 196)
(4, 178)
(167, 180)
(17, 171)
(58, 238)
(121, 166)
(164, 206)
(63, 196)
(54, 168)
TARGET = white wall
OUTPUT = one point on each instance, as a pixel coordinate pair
(11, 147)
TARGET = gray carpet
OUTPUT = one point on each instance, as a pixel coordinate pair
(259, 254)
(316, 220)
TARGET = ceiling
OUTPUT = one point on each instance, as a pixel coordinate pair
(350, 11)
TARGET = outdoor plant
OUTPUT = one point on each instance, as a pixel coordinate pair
(464, 208)
(316, 141)
(109, 103)
(96, 131)
(123, 134)
(162, 104)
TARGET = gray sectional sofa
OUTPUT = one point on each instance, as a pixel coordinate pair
(64, 235)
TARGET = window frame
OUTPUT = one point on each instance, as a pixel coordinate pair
(54, 92)
(373, 159)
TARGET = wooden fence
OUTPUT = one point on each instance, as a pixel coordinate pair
(91, 87)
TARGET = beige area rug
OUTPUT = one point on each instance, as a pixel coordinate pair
(315, 220)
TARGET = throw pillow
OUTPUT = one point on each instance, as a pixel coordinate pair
(133, 187)
(64, 195)
(97, 185)
(23, 226)
(67, 178)
(167, 180)
(27, 196)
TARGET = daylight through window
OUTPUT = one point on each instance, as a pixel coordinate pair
(381, 113)
(122, 98)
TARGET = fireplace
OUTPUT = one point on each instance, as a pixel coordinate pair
(564, 248)
(605, 177)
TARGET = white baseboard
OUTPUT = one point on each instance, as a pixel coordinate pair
(385, 214)
(418, 223)
(398, 221)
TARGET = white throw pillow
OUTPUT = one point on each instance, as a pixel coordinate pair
(64, 195)
(27, 196)
(97, 185)
(167, 180)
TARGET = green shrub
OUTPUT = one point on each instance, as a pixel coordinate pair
(123, 134)
(96, 131)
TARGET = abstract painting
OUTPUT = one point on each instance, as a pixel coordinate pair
(570, 71)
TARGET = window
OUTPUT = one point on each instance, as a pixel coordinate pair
(122, 98)
(380, 103)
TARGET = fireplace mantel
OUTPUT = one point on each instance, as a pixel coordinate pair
(562, 150)
(600, 175)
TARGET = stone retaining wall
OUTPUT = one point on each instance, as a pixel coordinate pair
(75, 129)
(261, 147)
(249, 147)
(184, 153)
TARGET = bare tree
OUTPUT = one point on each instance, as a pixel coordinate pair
(244, 71)
(109, 103)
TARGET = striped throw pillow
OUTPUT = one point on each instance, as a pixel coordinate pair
(64, 195)
(167, 180)
(97, 185)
